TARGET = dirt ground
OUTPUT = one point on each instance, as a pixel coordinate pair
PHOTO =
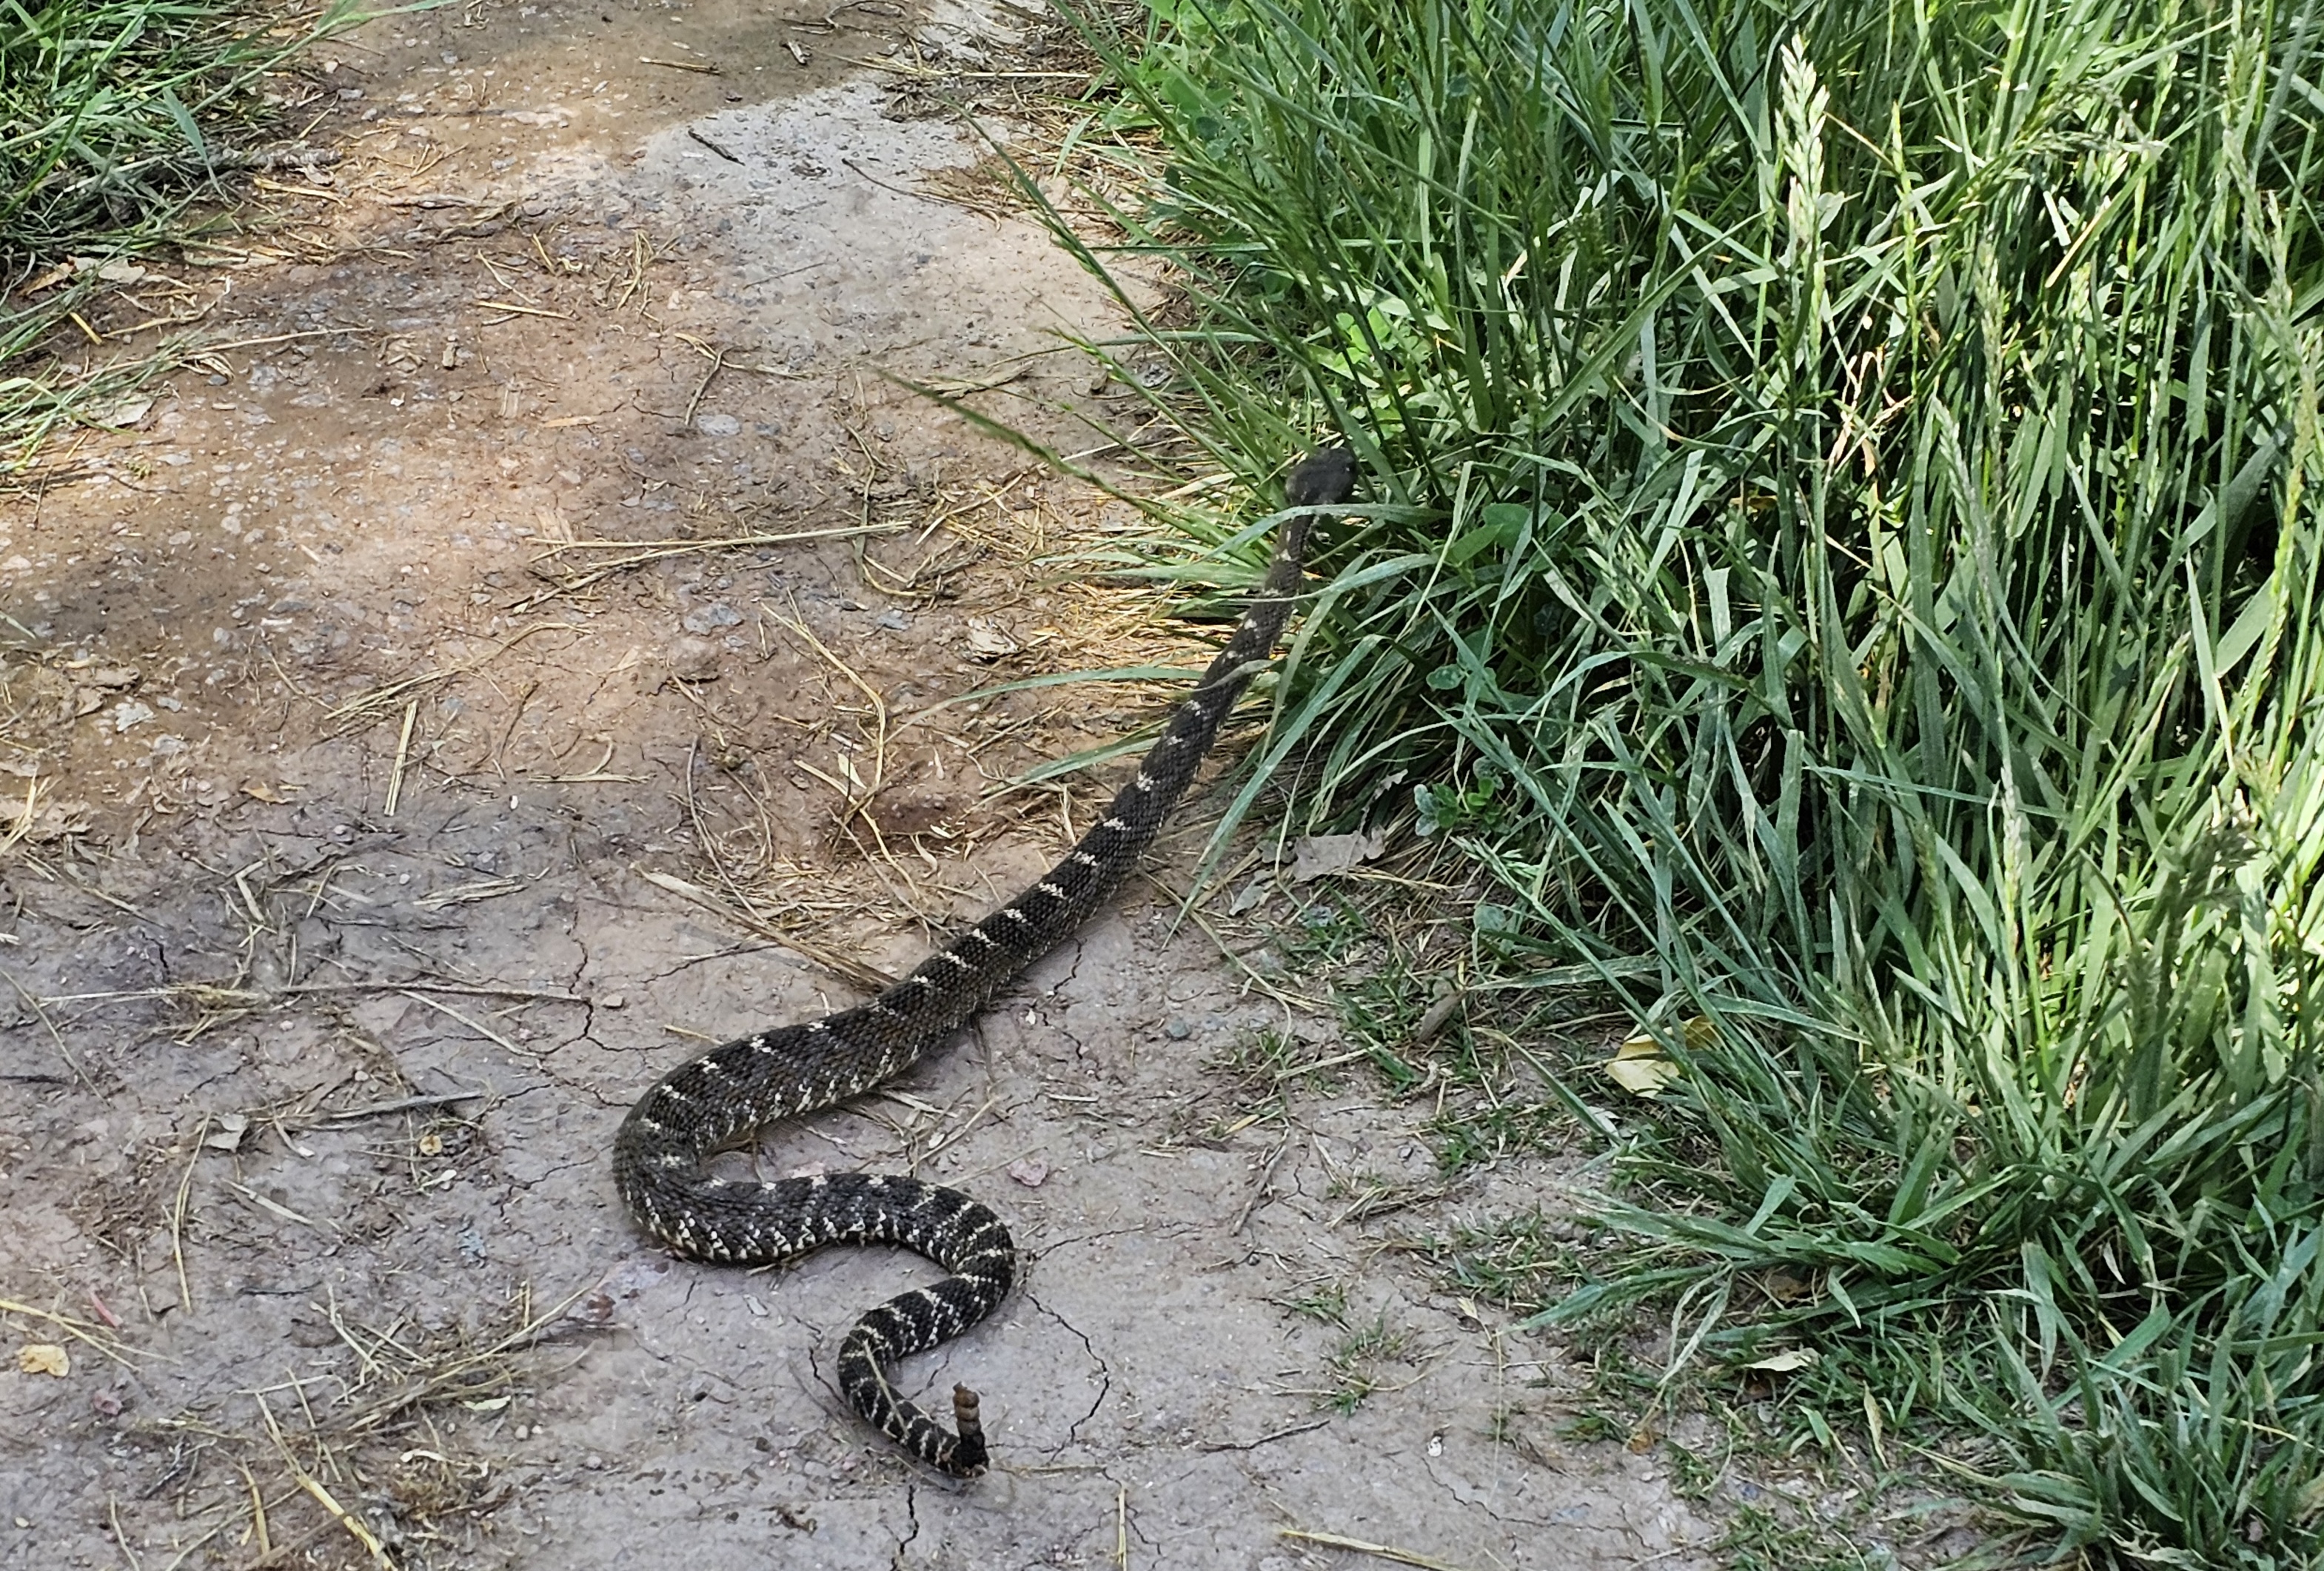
(504, 662)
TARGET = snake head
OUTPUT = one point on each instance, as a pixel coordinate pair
(1321, 478)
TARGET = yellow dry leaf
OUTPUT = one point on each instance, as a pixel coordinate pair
(1639, 1068)
(1641, 1073)
(43, 1358)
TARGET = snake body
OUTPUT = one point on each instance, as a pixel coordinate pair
(718, 1100)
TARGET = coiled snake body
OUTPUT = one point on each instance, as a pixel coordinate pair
(718, 1100)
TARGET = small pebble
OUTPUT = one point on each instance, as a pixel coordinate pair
(1177, 1029)
(694, 660)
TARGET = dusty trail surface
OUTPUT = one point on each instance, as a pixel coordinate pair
(379, 830)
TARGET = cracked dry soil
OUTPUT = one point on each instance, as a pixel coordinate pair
(308, 1100)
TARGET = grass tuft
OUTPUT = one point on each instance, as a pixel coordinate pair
(116, 118)
(1843, 557)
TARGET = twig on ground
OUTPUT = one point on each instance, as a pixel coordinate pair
(644, 551)
(1307, 1428)
(402, 752)
(177, 1216)
(54, 1035)
(1360, 1546)
(483, 1030)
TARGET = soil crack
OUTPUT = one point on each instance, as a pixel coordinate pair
(1105, 1372)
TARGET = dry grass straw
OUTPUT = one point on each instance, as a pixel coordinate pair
(1364, 1546)
(56, 1038)
(180, 1208)
(98, 1338)
(637, 553)
(740, 906)
(888, 885)
(373, 704)
(402, 755)
(322, 1496)
(397, 1383)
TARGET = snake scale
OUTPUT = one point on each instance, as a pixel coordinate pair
(720, 1099)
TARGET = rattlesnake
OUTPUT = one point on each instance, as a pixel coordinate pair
(718, 1100)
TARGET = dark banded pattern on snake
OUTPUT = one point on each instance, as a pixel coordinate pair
(718, 1100)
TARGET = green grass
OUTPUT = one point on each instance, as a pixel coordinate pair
(1844, 559)
(1327, 1303)
(116, 116)
(1357, 1363)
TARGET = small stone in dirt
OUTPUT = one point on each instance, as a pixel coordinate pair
(718, 425)
(1028, 1172)
(709, 617)
(694, 660)
(105, 1404)
(122, 413)
(1177, 1028)
(128, 713)
(895, 620)
(613, 1000)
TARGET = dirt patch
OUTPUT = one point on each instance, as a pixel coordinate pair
(421, 728)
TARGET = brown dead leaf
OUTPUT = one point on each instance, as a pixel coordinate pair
(1785, 1287)
(1315, 857)
(988, 640)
